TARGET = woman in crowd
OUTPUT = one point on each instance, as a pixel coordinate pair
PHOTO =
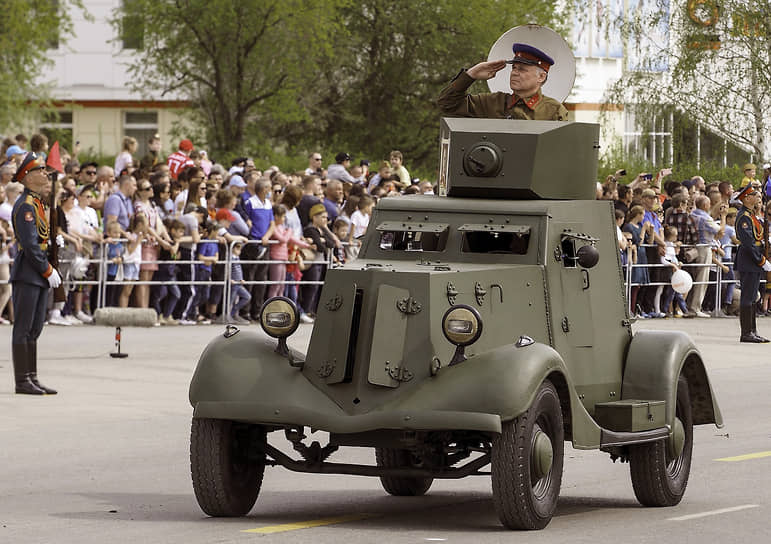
(322, 240)
(145, 203)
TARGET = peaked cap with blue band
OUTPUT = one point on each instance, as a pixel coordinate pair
(527, 54)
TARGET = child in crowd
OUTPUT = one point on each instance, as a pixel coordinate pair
(349, 249)
(133, 256)
(279, 252)
(208, 255)
(239, 296)
(670, 257)
(224, 218)
(167, 292)
(360, 218)
(115, 252)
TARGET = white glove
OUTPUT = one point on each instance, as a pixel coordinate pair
(54, 280)
(60, 240)
(767, 266)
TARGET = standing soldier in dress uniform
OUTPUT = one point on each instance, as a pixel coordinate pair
(32, 275)
(750, 261)
(529, 70)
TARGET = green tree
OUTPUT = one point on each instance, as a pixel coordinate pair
(714, 68)
(28, 29)
(238, 62)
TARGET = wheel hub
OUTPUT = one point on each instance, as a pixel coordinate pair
(542, 454)
(676, 442)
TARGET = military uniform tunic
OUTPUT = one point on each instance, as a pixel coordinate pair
(454, 101)
(30, 268)
(749, 255)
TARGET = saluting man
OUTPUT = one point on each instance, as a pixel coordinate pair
(32, 275)
(750, 261)
(529, 71)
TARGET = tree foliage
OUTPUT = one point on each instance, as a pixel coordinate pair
(709, 60)
(233, 60)
(28, 29)
(282, 77)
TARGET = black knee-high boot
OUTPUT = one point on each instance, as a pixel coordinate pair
(755, 328)
(746, 313)
(32, 362)
(24, 385)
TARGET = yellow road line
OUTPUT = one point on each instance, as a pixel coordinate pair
(746, 457)
(307, 524)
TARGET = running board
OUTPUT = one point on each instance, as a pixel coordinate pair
(618, 438)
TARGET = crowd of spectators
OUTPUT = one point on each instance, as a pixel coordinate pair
(664, 225)
(165, 229)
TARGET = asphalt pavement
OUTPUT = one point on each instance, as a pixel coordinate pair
(107, 460)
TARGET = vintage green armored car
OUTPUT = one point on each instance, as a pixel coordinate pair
(483, 326)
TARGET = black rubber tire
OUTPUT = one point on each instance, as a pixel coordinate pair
(657, 479)
(522, 502)
(398, 486)
(226, 480)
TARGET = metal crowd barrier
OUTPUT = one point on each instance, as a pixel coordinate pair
(100, 259)
(719, 282)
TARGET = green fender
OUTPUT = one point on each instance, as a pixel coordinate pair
(504, 381)
(501, 381)
(653, 364)
(246, 367)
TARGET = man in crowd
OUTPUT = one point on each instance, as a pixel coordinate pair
(180, 159)
(259, 208)
(105, 179)
(119, 206)
(751, 264)
(333, 199)
(32, 275)
(311, 185)
(648, 294)
(529, 71)
(314, 164)
(339, 170)
(707, 230)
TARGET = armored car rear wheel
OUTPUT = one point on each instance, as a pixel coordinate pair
(226, 465)
(527, 463)
(400, 486)
(660, 469)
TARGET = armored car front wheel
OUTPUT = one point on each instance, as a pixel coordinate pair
(527, 463)
(660, 469)
(396, 485)
(226, 465)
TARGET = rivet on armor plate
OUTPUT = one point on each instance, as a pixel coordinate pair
(334, 303)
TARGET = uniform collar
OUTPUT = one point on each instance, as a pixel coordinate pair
(530, 101)
(34, 194)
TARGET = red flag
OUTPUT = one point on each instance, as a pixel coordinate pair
(54, 159)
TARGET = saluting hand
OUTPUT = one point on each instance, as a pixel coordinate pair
(486, 70)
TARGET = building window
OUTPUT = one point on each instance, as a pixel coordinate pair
(142, 125)
(132, 32)
(57, 125)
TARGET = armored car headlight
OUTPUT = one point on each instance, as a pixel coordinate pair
(462, 325)
(279, 317)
